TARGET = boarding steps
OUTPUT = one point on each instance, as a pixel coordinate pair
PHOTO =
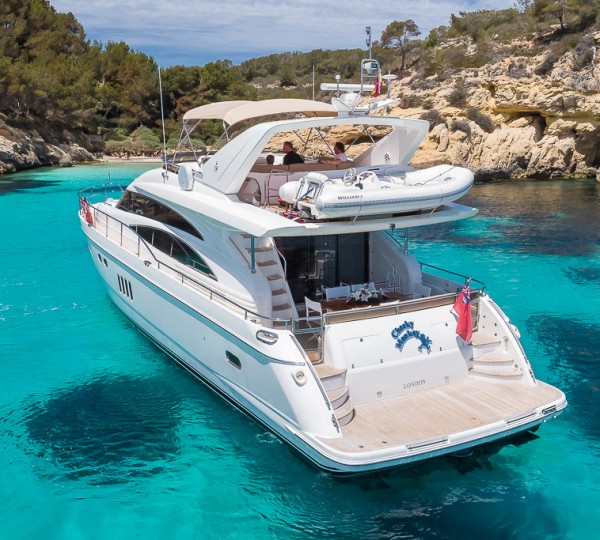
(268, 263)
(490, 361)
(334, 383)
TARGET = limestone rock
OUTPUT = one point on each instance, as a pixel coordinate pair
(21, 149)
(65, 161)
(543, 125)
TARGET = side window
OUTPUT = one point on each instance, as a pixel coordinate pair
(174, 247)
(163, 241)
(147, 207)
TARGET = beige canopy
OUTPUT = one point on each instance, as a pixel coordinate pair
(232, 112)
(213, 111)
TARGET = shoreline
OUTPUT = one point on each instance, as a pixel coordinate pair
(132, 159)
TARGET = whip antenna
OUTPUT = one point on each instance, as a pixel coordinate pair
(162, 119)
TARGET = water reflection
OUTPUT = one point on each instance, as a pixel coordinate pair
(583, 275)
(573, 348)
(542, 217)
(20, 184)
(107, 430)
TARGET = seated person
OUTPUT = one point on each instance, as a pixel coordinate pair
(270, 159)
(340, 154)
(291, 156)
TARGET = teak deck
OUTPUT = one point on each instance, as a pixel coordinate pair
(438, 412)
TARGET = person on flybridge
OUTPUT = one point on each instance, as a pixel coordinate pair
(291, 156)
(340, 154)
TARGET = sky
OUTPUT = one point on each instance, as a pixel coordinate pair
(195, 32)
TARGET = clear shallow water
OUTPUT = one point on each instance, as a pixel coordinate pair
(102, 436)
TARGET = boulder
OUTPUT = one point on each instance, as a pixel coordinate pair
(65, 161)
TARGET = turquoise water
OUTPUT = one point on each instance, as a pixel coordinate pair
(102, 436)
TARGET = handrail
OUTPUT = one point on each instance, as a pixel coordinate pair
(464, 278)
(248, 313)
(267, 184)
(395, 308)
(284, 260)
(102, 189)
(287, 323)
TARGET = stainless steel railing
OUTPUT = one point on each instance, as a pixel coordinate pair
(140, 245)
(295, 325)
(462, 276)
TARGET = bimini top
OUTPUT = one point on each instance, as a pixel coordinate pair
(233, 112)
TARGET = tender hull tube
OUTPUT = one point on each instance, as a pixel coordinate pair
(417, 190)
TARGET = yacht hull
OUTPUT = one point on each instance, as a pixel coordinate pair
(162, 315)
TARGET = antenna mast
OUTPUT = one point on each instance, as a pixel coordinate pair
(162, 118)
(368, 29)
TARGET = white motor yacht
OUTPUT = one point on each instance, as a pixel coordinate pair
(291, 290)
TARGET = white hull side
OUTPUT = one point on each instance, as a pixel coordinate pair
(265, 389)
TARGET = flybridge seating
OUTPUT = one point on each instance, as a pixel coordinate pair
(272, 177)
(300, 167)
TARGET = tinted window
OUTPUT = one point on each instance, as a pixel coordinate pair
(144, 206)
(174, 247)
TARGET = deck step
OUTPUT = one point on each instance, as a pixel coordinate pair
(345, 413)
(260, 249)
(481, 339)
(315, 356)
(269, 262)
(274, 277)
(498, 374)
(494, 360)
(277, 292)
(338, 396)
(282, 307)
(328, 372)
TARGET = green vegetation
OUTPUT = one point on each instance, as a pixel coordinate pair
(481, 119)
(434, 117)
(458, 96)
(51, 75)
(397, 35)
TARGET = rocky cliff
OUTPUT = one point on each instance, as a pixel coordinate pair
(537, 125)
(26, 147)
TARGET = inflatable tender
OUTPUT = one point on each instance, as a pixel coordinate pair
(367, 194)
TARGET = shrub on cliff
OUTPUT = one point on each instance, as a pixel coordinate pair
(584, 53)
(458, 96)
(433, 116)
(461, 124)
(547, 64)
(481, 119)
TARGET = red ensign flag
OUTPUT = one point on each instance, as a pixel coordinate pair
(462, 309)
